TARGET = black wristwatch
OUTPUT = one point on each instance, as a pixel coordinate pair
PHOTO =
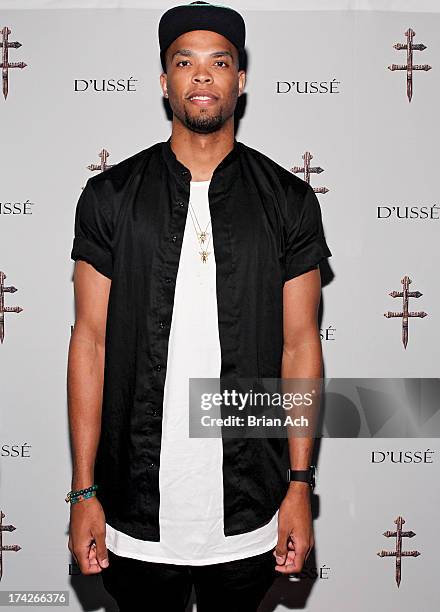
(308, 476)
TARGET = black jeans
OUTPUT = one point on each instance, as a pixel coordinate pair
(232, 586)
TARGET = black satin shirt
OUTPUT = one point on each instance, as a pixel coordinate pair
(129, 223)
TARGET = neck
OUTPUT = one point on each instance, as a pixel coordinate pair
(201, 153)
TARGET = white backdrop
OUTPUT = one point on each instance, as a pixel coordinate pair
(376, 149)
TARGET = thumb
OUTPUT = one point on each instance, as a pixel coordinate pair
(281, 547)
(101, 551)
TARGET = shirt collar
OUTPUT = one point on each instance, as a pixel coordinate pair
(225, 168)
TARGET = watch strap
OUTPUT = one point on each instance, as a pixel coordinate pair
(302, 475)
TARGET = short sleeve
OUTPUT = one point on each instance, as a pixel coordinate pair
(92, 241)
(306, 245)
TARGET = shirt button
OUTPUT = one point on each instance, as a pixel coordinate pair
(158, 367)
(168, 279)
(174, 238)
(181, 204)
(184, 172)
(161, 324)
(154, 412)
(151, 465)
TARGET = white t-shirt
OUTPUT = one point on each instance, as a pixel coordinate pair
(190, 475)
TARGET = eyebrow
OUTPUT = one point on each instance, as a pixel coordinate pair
(188, 52)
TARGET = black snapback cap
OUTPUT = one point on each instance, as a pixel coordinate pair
(202, 16)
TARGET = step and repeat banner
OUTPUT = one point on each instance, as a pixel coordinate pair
(346, 96)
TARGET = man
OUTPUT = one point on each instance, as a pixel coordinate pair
(197, 257)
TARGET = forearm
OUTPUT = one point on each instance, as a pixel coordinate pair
(85, 374)
(303, 361)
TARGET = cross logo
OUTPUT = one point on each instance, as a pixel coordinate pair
(409, 47)
(5, 64)
(14, 547)
(4, 308)
(399, 553)
(307, 170)
(405, 314)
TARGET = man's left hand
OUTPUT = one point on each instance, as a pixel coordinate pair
(295, 529)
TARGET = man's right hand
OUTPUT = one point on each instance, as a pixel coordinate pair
(87, 536)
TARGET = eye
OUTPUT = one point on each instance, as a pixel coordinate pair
(221, 62)
(181, 61)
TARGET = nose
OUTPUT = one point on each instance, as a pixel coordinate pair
(201, 75)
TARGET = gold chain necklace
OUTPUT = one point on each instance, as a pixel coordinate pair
(201, 235)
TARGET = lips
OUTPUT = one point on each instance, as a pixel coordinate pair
(201, 94)
(202, 98)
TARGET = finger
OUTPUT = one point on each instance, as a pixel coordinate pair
(92, 555)
(290, 556)
(82, 559)
(285, 569)
(281, 547)
(101, 549)
(288, 560)
(288, 567)
(299, 558)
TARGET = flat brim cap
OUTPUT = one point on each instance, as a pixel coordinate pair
(202, 16)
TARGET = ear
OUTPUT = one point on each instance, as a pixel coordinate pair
(241, 81)
(163, 84)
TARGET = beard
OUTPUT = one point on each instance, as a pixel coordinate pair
(203, 123)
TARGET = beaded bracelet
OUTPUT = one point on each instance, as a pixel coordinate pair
(78, 498)
(75, 496)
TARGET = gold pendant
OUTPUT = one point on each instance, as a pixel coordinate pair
(203, 236)
(204, 255)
